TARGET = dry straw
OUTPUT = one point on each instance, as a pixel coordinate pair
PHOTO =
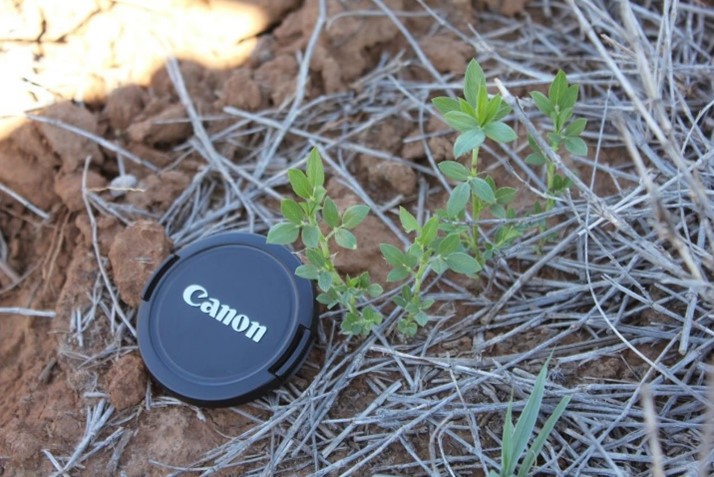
(637, 260)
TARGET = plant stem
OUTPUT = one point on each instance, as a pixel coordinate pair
(550, 177)
(325, 249)
(475, 210)
(419, 275)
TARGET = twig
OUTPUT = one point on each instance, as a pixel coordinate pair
(26, 203)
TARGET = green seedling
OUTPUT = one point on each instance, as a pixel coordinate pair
(451, 238)
(515, 439)
(430, 250)
(447, 241)
(558, 106)
(317, 221)
(477, 116)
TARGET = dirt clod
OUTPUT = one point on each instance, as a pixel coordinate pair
(71, 148)
(158, 190)
(395, 176)
(134, 255)
(241, 91)
(447, 54)
(277, 78)
(69, 188)
(123, 105)
(127, 382)
(107, 229)
(168, 126)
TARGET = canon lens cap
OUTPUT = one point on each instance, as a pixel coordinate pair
(225, 320)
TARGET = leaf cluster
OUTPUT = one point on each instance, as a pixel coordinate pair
(477, 115)
(318, 222)
(431, 249)
(443, 242)
(558, 106)
(516, 438)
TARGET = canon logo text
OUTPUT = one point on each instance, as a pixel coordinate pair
(197, 297)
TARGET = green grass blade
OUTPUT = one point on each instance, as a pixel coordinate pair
(507, 458)
(527, 420)
(539, 441)
(527, 464)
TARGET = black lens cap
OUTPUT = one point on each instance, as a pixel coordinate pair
(225, 320)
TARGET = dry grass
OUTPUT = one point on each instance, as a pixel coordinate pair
(643, 251)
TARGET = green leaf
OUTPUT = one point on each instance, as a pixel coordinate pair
(482, 104)
(374, 290)
(463, 263)
(563, 117)
(460, 121)
(324, 281)
(363, 280)
(315, 257)
(315, 170)
(371, 317)
(319, 193)
(409, 222)
(439, 265)
(329, 299)
(500, 132)
(454, 170)
(398, 274)
(308, 272)
(345, 239)
(421, 318)
(554, 139)
(407, 327)
(491, 183)
(576, 146)
(354, 215)
(283, 233)
(503, 110)
(570, 96)
(465, 107)
(507, 234)
(351, 324)
(535, 159)
(505, 195)
(468, 140)
(508, 460)
(392, 254)
(415, 251)
(473, 80)
(458, 199)
(330, 213)
(429, 231)
(527, 420)
(445, 104)
(498, 211)
(576, 127)
(450, 244)
(301, 186)
(292, 211)
(557, 88)
(542, 102)
(492, 109)
(483, 190)
(542, 436)
(310, 236)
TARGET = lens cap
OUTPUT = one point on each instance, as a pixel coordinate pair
(225, 320)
